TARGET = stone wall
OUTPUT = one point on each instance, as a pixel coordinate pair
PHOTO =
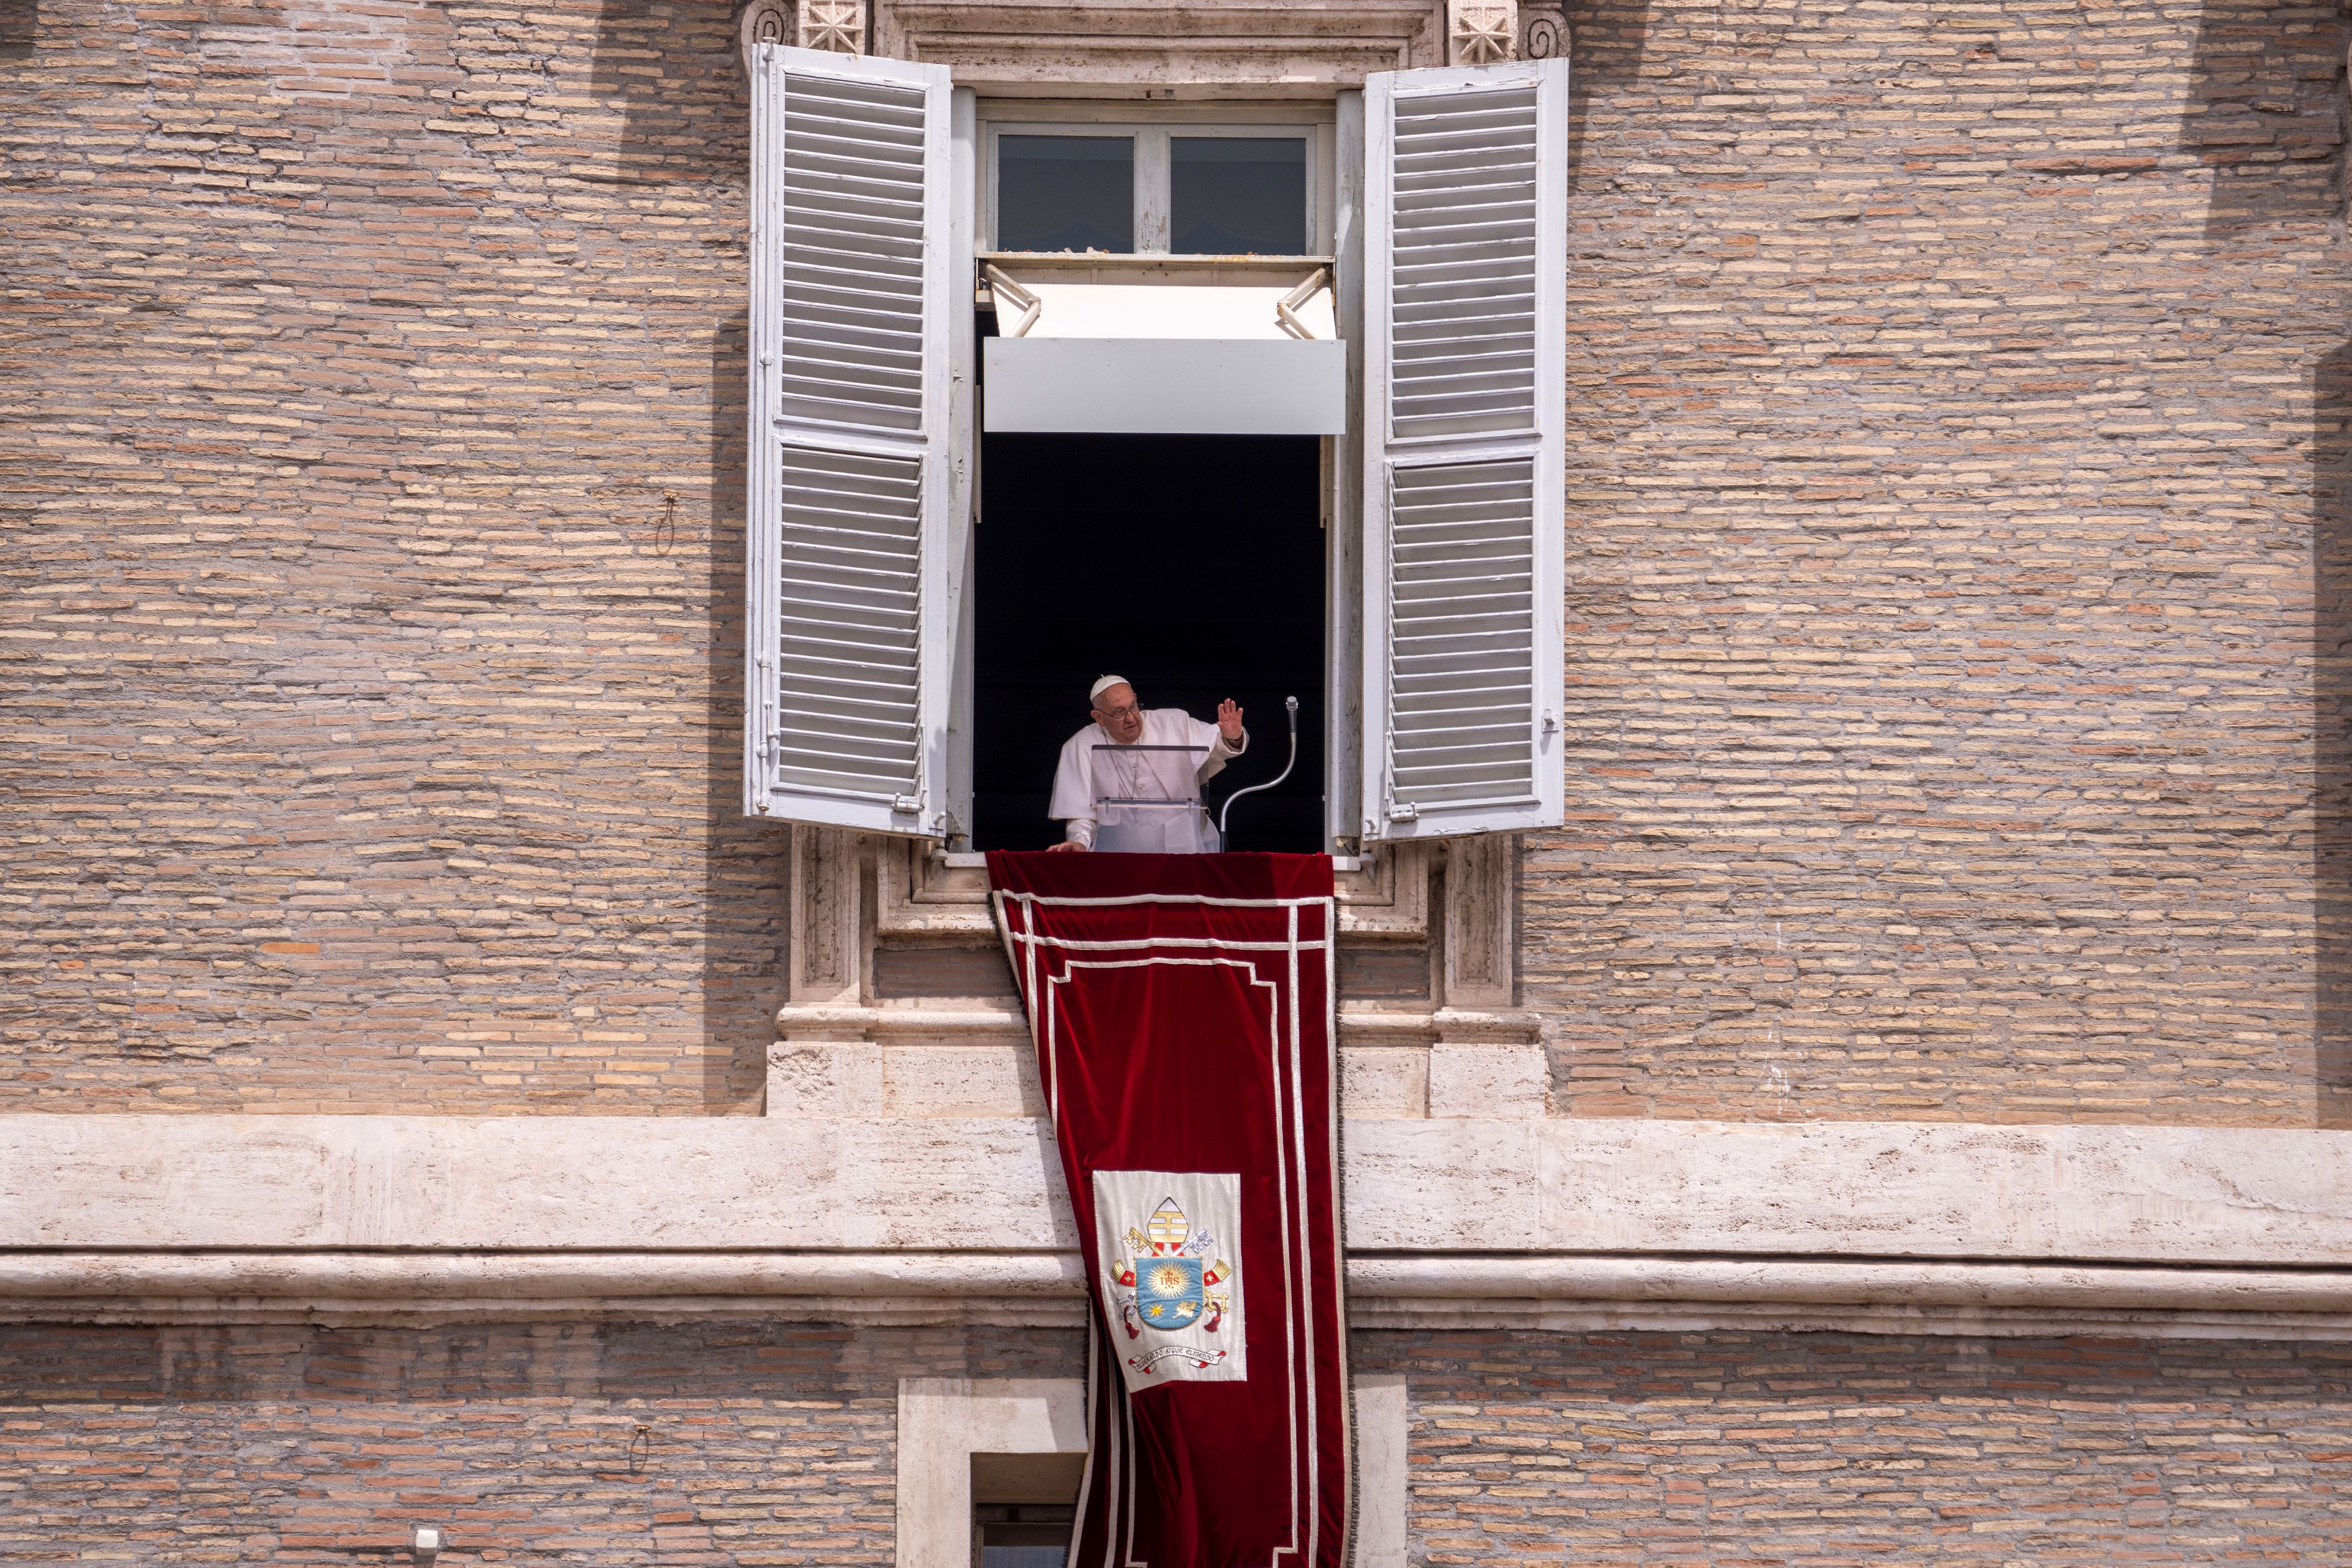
(1942, 563)
(757, 1442)
(1824, 1450)
(718, 1443)
(1943, 505)
(370, 651)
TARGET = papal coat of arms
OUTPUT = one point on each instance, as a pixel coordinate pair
(1170, 1279)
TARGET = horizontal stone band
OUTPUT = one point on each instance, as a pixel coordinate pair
(1550, 1292)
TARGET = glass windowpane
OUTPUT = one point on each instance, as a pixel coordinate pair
(1238, 195)
(1065, 193)
(994, 1556)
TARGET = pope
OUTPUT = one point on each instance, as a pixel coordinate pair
(1155, 757)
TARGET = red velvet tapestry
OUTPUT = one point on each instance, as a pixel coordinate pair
(1182, 1007)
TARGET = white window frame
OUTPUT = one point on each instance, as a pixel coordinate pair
(943, 1422)
(1342, 220)
(1154, 188)
(1320, 124)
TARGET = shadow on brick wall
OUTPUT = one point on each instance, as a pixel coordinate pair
(20, 25)
(744, 897)
(2266, 112)
(674, 70)
(1605, 45)
(2331, 628)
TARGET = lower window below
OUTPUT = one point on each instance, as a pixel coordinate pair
(1021, 1535)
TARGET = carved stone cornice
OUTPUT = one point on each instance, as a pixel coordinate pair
(1541, 1224)
(1265, 47)
(1562, 1292)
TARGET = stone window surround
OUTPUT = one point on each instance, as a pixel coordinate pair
(843, 1050)
(1470, 1050)
(944, 1421)
(1221, 47)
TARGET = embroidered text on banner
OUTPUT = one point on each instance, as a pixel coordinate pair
(1182, 1007)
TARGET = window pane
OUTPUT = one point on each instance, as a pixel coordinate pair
(994, 1556)
(1239, 195)
(1065, 193)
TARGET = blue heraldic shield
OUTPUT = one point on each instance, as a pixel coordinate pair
(1167, 1292)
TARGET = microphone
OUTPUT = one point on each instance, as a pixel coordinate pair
(1290, 706)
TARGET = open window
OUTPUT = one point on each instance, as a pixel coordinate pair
(1126, 552)
(1425, 340)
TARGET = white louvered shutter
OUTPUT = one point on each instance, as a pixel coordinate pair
(1465, 259)
(849, 482)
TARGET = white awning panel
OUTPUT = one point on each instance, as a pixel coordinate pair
(1166, 358)
(1227, 313)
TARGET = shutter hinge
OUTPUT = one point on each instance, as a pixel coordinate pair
(908, 804)
(1404, 814)
(1552, 725)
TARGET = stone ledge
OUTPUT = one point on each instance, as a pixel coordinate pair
(932, 1062)
(2172, 1196)
(1553, 1294)
(921, 1062)
(1360, 1026)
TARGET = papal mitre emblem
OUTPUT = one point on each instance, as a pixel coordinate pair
(1168, 1227)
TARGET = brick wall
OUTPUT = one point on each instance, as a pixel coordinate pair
(1951, 390)
(370, 642)
(1943, 511)
(744, 1443)
(1825, 1451)
(715, 1443)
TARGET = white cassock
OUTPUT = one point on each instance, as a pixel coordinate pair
(1094, 769)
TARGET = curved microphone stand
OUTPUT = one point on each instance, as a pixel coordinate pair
(1290, 705)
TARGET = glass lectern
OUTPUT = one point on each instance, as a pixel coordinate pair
(1147, 800)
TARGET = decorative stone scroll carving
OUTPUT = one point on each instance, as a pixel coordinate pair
(835, 25)
(765, 22)
(1482, 32)
(1543, 32)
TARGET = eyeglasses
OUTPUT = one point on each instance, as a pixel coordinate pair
(1126, 711)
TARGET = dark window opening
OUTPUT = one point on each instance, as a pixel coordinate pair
(1238, 195)
(1023, 1535)
(1065, 193)
(1022, 1509)
(1192, 564)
